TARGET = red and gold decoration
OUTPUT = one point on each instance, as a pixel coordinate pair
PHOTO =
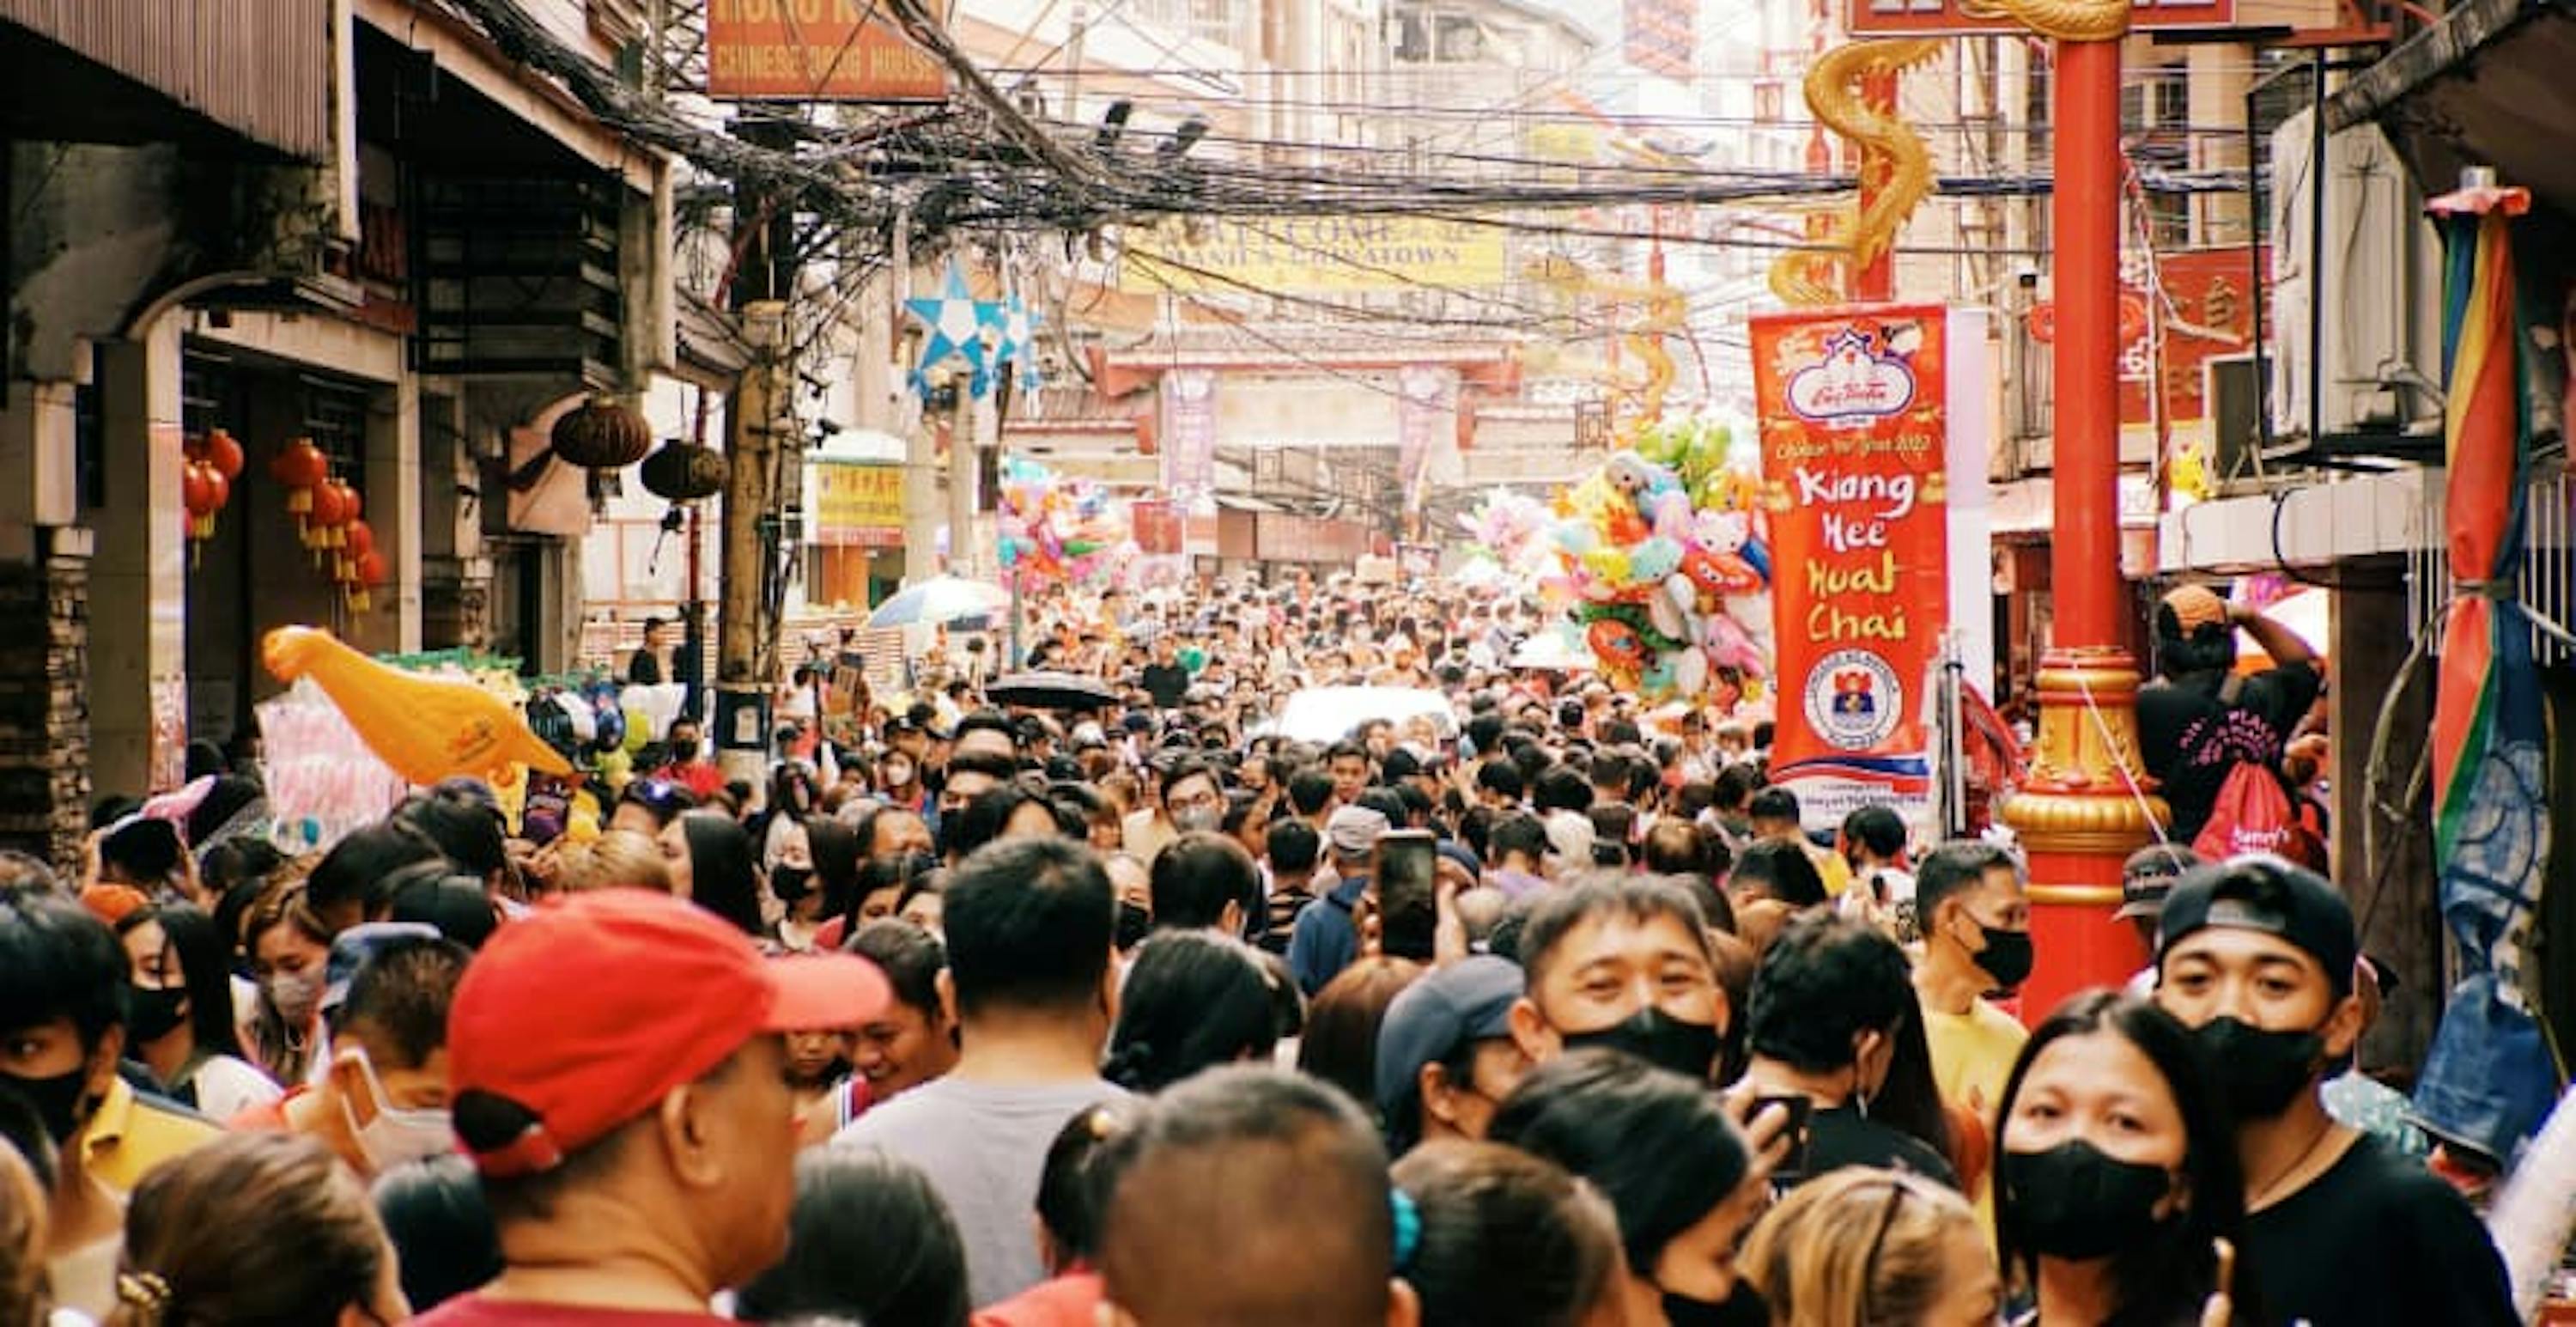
(300, 468)
(330, 520)
(2086, 808)
(213, 461)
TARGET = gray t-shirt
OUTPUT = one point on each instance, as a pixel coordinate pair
(983, 1146)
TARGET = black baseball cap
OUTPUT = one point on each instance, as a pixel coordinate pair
(2270, 895)
(2149, 875)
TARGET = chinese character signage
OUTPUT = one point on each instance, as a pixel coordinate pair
(1854, 449)
(857, 506)
(1321, 254)
(2208, 306)
(814, 50)
(1943, 18)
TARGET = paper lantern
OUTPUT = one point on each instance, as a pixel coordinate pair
(300, 468)
(684, 472)
(602, 434)
(224, 454)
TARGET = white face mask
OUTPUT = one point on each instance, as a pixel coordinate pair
(398, 1133)
(294, 995)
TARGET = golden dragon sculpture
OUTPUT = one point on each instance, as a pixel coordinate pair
(1664, 315)
(1896, 168)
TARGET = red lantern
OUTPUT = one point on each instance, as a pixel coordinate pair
(369, 573)
(203, 491)
(351, 508)
(224, 454)
(321, 507)
(300, 468)
(360, 544)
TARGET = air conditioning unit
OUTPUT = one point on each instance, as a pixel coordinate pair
(2233, 387)
(2376, 252)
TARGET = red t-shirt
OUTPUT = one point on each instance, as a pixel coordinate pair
(476, 1311)
(1067, 1301)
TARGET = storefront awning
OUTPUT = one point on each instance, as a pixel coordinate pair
(2486, 86)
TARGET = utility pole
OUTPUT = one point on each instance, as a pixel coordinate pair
(764, 280)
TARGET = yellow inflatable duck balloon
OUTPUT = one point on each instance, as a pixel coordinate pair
(423, 728)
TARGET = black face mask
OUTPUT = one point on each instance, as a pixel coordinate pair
(1134, 922)
(60, 1101)
(2074, 1202)
(684, 751)
(2007, 956)
(1742, 1309)
(152, 1014)
(2261, 1072)
(1659, 1039)
(791, 883)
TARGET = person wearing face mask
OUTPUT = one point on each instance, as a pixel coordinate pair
(63, 979)
(1621, 962)
(2256, 957)
(899, 780)
(1830, 1011)
(382, 1100)
(181, 1011)
(2115, 1178)
(813, 874)
(1975, 914)
(288, 947)
(690, 764)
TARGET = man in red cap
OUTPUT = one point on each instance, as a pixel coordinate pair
(618, 1076)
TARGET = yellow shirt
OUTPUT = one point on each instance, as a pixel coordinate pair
(1832, 867)
(1972, 1059)
(128, 1137)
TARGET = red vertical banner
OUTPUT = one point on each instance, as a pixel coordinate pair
(1854, 424)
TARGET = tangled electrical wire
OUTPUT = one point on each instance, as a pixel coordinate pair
(984, 162)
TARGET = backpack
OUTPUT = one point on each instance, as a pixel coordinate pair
(2252, 812)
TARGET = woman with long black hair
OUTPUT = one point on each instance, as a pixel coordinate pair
(2115, 1171)
(180, 1011)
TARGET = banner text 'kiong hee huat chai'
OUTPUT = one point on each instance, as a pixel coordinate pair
(1854, 424)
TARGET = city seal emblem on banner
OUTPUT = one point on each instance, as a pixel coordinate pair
(1854, 699)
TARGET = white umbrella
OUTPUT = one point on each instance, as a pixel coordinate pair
(1328, 714)
(1553, 650)
(940, 599)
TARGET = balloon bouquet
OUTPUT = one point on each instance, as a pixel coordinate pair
(1664, 567)
(1055, 530)
(1509, 530)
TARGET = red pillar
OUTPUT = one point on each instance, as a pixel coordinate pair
(2083, 812)
(2084, 214)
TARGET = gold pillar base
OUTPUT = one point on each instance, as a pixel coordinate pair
(2086, 792)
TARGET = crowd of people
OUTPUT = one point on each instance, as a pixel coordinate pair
(1550, 1014)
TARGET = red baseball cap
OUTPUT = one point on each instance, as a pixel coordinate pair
(588, 1011)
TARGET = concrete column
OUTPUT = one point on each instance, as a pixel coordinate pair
(2392, 893)
(138, 681)
(2216, 77)
(395, 514)
(44, 628)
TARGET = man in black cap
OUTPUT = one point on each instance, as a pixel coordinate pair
(2145, 879)
(2257, 957)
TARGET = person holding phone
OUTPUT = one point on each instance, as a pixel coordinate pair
(1832, 1006)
